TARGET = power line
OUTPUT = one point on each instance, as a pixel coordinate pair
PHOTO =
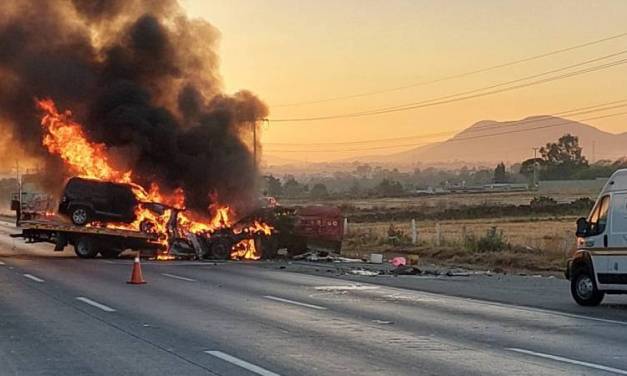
(463, 95)
(427, 135)
(477, 128)
(459, 75)
(454, 139)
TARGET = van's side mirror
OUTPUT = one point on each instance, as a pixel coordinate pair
(582, 227)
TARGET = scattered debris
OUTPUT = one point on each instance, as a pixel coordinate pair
(382, 322)
(325, 256)
(282, 252)
(376, 258)
(364, 272)
(346, 288)
(457, 273)
(406, 270)
(398, 261)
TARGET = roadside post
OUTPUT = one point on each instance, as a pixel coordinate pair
(438, 235)
(414, 235)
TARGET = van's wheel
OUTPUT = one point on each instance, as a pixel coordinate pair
(584, 289)
(80, 215)
(84, 248)
(110, 253)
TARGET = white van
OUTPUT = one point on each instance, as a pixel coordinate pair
(599, 266)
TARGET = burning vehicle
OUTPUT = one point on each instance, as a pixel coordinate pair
(84, 201)
(127, 98)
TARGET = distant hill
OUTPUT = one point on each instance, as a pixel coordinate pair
(491, 141)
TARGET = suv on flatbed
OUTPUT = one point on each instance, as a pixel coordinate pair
(85, 200)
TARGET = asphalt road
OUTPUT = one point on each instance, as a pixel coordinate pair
(63, 316)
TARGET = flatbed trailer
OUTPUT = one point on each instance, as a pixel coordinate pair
(88, 241)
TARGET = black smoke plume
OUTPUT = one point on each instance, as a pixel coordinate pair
(143, 79)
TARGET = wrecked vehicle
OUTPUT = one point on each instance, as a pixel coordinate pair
(85, 200)
(299, 229)
(31, 205)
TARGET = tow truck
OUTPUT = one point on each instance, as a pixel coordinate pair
(88, 242)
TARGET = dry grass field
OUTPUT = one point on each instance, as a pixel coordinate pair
(447, 201)
(534, 244)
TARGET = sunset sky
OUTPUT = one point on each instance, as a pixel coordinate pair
(289, 52)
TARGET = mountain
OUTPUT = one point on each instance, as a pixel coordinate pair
(491, 141)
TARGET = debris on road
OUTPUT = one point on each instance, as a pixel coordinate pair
(316, 256)
(365, 272)
(406, 270)
(382, 322)
(398, 261)
(376, 258)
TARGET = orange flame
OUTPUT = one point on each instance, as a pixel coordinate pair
(66, 138)
(245, 250)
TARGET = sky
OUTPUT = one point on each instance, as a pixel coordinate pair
(291, 53)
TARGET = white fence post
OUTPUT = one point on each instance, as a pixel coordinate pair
(414, 235)
(345, 226)
(438, 235)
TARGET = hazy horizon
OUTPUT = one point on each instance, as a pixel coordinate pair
(292, 52)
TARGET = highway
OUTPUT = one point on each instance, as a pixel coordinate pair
(60, 315)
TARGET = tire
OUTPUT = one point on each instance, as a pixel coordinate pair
(220, 250)
(110, 253)
(147, 226)
(269, 246)
(84, 248)
(584, 290)
(80, 215)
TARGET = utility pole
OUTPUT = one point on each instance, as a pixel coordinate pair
(18, 212)
(254, 123)
(535, 168)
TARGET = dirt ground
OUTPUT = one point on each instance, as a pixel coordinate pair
(533, 244)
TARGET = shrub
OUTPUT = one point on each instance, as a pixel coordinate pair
(492, 241)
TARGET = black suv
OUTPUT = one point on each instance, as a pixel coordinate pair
(87, 200)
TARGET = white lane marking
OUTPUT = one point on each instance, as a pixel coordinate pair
(545, 311)
(293, 302)
(497, 304)
(2, 262)
(32, 277)
(95, 304)
(242, 363)
(178, 277)
(571, 361)
(346, 287)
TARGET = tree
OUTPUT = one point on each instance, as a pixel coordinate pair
(319, 191)
(563, 158)
(293, 188)
(389, 188)
(355, 189)
(273, 185)
(500, 175)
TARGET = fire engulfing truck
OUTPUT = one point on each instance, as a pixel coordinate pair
(107, 218)
(294, 230)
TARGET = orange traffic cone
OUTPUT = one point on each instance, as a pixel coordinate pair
(136, 275)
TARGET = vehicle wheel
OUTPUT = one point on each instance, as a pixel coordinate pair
(268, 246)
(584, 290)
(220, 250)
(84, 248)
(110, 253)
(80, 215)
(147, 226)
